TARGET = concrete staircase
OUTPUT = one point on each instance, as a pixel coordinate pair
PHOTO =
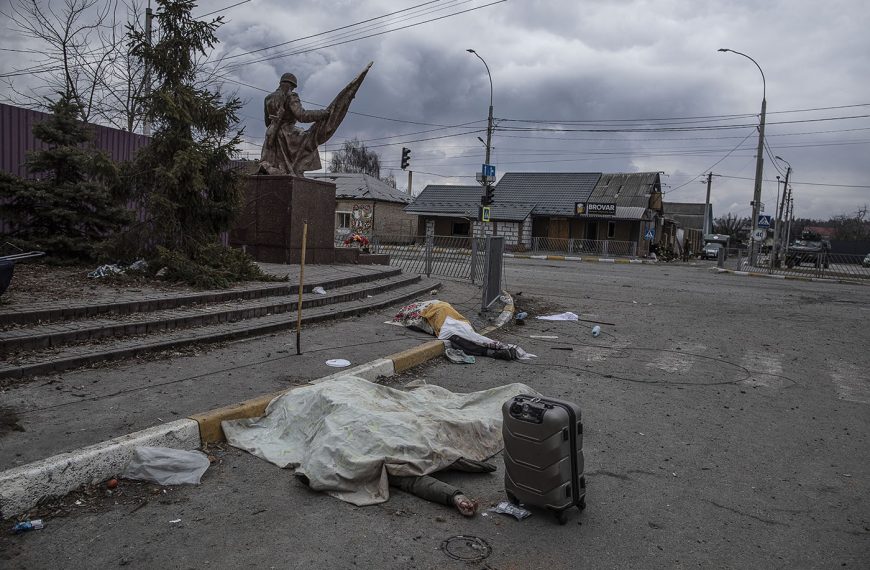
(40, 340)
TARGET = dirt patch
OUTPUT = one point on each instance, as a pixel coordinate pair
(9, 421)
(42, 283)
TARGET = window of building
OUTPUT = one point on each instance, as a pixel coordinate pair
(342, 220)
(611, 230)
(461, 228)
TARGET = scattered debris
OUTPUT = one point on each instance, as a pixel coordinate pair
(561, 348)
(466, 548)
(26, 526)
(506, 508)
(166, 466)
(111, 484)
(175, 521)
(338, 363)
(596, 330)
(568, 316)
(457, 356)
(319, 290)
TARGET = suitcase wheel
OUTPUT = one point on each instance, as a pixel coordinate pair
(562, 516)
(512, 498)
(582, 504)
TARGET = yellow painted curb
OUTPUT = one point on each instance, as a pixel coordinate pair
(556, 258)
(621, 261)
(210, 430)
(419, 354)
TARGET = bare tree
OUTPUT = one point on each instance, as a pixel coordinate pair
(731, 225)
(79, 43)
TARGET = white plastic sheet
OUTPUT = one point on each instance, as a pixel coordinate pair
(166, 466)
(569, 316)
(345, 435)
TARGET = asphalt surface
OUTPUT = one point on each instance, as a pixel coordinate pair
(726, 426)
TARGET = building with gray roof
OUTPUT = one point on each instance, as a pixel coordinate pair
(368, 206)
(553, 205)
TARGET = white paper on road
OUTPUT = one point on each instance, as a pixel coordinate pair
(560, 317)
(346, 434)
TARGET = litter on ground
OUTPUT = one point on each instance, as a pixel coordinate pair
(569, 316)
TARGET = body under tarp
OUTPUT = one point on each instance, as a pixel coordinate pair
(346, 435)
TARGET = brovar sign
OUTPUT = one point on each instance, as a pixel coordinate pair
(600, 209)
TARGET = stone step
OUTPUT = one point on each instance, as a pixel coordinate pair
(52, 312)
(75, 356)
(55, 335)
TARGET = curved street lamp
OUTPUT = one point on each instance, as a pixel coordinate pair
(489, 121)
(759, 161)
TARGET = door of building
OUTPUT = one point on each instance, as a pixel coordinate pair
(592, 230)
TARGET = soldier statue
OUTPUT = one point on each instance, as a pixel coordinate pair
(287, 148)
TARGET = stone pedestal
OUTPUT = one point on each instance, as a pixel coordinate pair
(270, 226)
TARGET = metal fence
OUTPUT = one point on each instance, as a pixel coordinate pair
(822, 265)
(569, 246)
(492, 271)
(432, 255)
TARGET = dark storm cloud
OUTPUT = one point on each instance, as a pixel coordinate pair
(565, 61)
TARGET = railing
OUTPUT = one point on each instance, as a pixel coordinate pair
(570, 246)
(822, 265)
(439, 255)
(492, 271)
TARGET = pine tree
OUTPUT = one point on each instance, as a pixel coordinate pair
(183, 177)
(72, 207)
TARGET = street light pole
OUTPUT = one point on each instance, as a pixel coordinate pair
(759, 159)
(489, 121)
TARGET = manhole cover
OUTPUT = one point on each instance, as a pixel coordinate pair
(466, 548)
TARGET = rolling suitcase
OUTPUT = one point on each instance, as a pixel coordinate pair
(543, 454)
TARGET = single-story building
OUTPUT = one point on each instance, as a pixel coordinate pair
(368, 206)
(554, 207)
(688, 215)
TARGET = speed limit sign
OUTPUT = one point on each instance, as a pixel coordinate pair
(758, 234)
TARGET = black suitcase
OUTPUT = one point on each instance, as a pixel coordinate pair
(543, 454)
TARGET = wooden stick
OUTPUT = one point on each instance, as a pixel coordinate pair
(301, 286)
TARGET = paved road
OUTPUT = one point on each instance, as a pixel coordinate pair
(727, 422)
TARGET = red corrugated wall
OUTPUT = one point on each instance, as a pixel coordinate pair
(16, 140)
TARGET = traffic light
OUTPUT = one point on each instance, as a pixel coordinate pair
(487, 198)
(406, 158)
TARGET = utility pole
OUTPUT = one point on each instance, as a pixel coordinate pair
(149, 15)
(790, 218)
(777, 234)
(707, 228)
(410, 177)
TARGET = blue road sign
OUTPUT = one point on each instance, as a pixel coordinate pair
(764, 221)
(488, 170)
(650, 234)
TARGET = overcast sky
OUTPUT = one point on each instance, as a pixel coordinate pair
(647, 72)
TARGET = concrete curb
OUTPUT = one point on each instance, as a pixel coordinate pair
(788, 277)
(615, 260)
(22, 487)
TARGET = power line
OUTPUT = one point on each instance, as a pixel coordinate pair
(710, 168)
(222, 9)
(366, 36)
(802, 183)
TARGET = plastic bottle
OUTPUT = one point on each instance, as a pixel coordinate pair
(27, 525)
(521, 316)
(596, 330)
